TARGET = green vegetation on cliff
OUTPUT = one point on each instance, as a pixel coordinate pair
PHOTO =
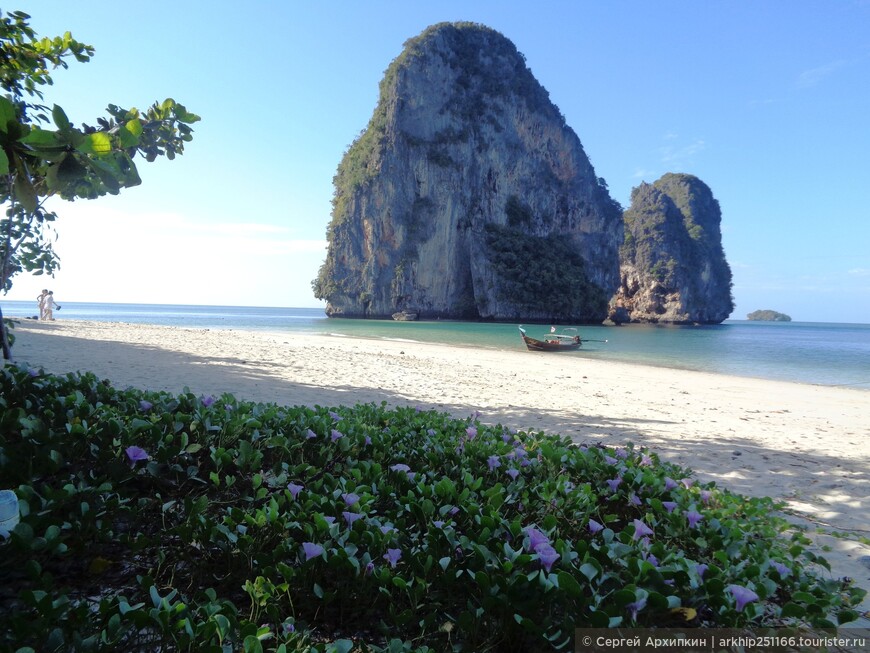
(768, 316)
(542, 274)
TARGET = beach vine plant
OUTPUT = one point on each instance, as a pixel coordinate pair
(153, 521)
(42, 154)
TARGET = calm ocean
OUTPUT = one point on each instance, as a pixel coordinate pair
(825, 354)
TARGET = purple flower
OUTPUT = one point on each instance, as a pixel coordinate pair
(694, 517)
(650, 558)
(670, 483)
(335, 416)
(634, 500)
(742, 596)
(309, 434)
(595, 527)
(329, 520)
(705, 496)
(32, 373)
(687, 482)
(312, 550)
(614, 483)
(636, 607)
(513, 473)
(547, 555)
(336, 435)
(400, 467)
(135, 454)
(493, 462)
(208, 401)
(640, 530)
(351, 517)
(471, 432)
(438, 523)
(289, 628)
(295, 489)
(392, 556)
(368, 441)
(350, 498)
(702, 569)
(781, 568)
(536, 538)
(454, 510)
(370, 567)
(622, 453)
(610, 460)
(145, 406)
(412, 476)
(645, 461)
(670, 506)
(386, 529)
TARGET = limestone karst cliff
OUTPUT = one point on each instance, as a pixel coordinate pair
(673, 267)
(467, 195)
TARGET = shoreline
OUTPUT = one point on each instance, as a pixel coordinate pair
(805, 445)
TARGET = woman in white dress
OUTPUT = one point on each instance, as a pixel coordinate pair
(48, 306)
(40, 302)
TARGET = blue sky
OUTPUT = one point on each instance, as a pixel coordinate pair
(767, 102)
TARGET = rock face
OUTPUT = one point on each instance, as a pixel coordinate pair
(673, 268)
(467, 196)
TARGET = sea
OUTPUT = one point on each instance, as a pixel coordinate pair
(819, 353)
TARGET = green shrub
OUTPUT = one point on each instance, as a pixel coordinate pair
(159, 522)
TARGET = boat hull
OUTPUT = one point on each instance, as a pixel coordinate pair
(533, 344)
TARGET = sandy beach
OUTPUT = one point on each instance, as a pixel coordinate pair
(806, 445)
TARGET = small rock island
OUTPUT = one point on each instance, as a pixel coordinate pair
(768, 316)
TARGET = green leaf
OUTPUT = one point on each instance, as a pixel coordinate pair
(133, 128)
(60, 119)
(340, 646)
(41, 139)
(588, 570)
(444, 562)
(568, 583)
(7, 113)
(4, 162)
(804, 597)
(98, 143)
(252, 645)
(793, 610)
(25, 193)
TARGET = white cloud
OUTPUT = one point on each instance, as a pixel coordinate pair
(113, 256)
(681, 154)
(814, 76)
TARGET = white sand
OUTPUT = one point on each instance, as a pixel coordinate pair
(803, 444)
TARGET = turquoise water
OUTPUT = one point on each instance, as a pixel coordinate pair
(820, 353)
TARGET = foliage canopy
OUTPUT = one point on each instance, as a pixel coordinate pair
(42, 154)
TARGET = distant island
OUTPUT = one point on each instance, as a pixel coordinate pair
(768, 316)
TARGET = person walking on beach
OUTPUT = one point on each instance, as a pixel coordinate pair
(40, 302)
(48, 306)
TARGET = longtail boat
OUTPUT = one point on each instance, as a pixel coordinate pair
(566, 340)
